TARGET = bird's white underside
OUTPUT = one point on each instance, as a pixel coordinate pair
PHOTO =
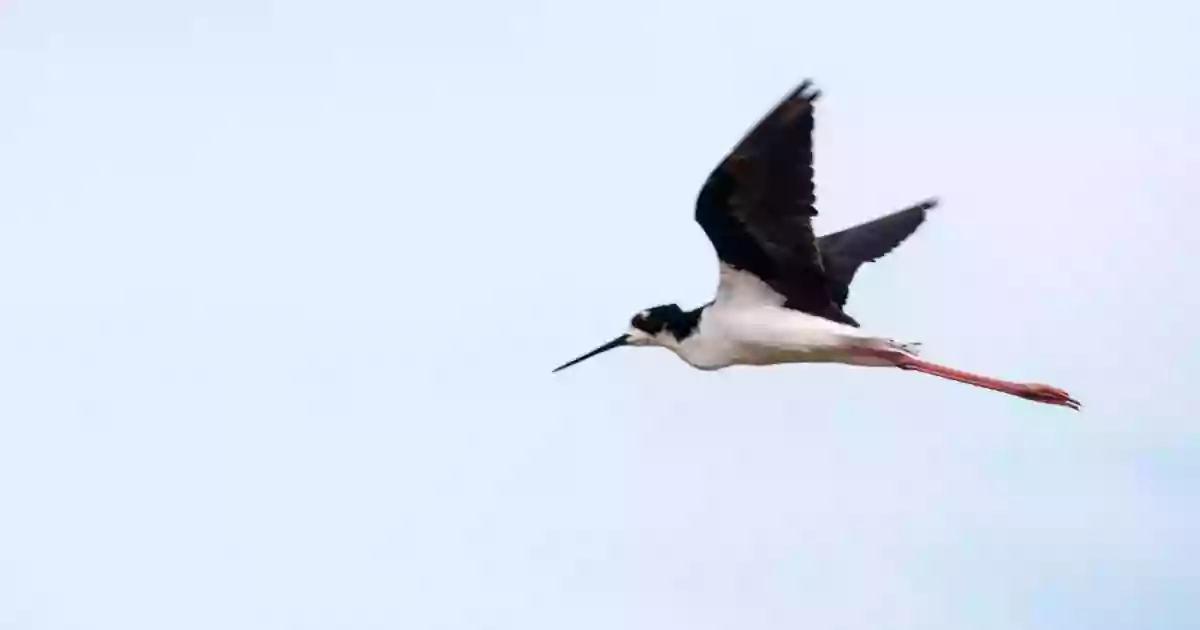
(747, 325)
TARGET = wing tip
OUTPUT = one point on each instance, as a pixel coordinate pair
(927, 204)
(806, 91)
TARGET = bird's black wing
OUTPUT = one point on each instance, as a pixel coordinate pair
(757, 207)
(842, 253)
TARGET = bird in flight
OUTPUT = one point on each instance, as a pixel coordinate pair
(781, 291)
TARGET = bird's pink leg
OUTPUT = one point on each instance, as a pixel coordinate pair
(1036, 392)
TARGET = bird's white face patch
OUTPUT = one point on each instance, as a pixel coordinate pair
(642, 338)
(639, 337)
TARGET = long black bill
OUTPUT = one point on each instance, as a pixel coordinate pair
(615, 343)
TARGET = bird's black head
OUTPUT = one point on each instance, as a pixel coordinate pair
(665, 319)
(665, 326)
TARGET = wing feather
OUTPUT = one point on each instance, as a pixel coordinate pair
(757, 207)
(842, 253)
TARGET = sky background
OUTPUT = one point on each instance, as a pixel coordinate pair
(281, 286)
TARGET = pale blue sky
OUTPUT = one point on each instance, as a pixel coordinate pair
(279, 318)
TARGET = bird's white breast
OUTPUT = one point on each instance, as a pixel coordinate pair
(747, 325)
(761, 334)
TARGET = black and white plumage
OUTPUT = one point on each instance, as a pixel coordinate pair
(782, 291)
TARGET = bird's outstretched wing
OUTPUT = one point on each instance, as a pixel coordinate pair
(757, 207)
(842, 253)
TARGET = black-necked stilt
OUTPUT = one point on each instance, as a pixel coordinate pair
(781, 290)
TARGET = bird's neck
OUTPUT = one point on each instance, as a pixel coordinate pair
(686, 324)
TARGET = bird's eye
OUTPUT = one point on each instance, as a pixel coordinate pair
(643, 323)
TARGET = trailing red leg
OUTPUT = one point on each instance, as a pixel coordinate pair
(1036, 392)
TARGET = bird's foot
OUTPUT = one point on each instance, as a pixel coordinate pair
(1039, 392)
